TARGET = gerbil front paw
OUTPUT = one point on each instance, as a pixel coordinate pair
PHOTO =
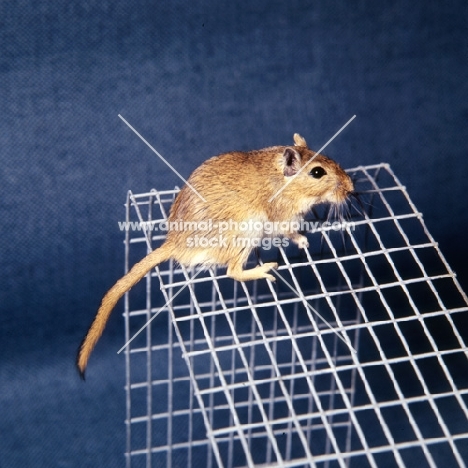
(300, 240)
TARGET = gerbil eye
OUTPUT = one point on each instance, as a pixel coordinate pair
(317, 172)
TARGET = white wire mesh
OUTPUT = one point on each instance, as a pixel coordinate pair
(251, 374)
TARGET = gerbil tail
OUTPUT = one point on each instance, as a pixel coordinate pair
(109, 301)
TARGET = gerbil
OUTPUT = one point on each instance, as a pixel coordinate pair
(237, 186)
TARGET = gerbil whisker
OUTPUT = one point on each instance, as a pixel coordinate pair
(343, 241)
(359, 197)
(356, 197)
(340, 209)
(321, 242)
(345, 212)
(357, 208)
(349, 209)
(329, 213)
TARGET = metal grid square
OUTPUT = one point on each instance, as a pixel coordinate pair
(358, 358)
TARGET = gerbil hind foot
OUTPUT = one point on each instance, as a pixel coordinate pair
(259, 272)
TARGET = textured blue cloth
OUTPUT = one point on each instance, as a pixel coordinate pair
(196, 79)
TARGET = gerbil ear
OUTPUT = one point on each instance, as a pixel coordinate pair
(292, 162)
(299, 141)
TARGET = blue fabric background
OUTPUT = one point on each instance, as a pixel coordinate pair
(196, 79)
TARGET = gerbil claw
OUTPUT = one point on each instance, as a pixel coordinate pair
(300, 240)
(267, 267)
(303, 243)
(259, 272)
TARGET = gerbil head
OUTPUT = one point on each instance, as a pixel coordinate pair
(314, 177)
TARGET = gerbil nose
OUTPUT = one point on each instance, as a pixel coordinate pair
(345, 185)
(349, 186)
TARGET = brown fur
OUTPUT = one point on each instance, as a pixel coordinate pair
(237, 186)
